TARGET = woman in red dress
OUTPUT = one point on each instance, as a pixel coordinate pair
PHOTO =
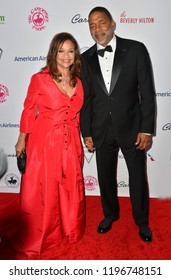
(52, 191)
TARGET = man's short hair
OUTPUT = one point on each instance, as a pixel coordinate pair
(101, 10)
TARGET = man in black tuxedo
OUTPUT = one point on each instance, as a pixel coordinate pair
(118, 113)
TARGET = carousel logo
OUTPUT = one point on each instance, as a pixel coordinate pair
(90, 183)
(125, 19)
(12, 181)
(3, 93)
(38, 18)
(122, 184)
(1, 51)
(167, 126)
(78, 19)
(163, 94)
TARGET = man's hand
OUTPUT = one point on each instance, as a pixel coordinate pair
(143, 141)
(88, 141)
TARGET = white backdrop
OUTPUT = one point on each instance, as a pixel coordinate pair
(26, 29)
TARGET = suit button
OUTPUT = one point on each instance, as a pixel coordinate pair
(110, 98)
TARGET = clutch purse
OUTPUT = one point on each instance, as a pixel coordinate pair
(21, 162)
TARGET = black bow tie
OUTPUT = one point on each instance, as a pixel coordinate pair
(102, 51)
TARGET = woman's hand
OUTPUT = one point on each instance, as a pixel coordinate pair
(21, 144)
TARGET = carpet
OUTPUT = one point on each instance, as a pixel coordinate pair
(120, 243)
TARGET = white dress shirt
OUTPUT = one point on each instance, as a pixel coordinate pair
(106, 62)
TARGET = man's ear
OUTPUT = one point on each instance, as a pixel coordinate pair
(113, 24)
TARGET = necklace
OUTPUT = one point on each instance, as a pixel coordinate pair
(64, 81)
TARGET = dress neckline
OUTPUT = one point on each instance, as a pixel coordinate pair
(63, 93)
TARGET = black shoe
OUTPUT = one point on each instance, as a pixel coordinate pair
(145, 233)
(106, 225)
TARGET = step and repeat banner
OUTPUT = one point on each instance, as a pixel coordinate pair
(26, 29)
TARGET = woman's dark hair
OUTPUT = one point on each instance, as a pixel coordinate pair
(101, 10)
(56, 43)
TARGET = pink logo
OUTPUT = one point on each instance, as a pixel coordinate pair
(3, 93)
(90, 183)
(135, 20)
(38, 17)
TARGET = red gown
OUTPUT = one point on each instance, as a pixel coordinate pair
(52, 190)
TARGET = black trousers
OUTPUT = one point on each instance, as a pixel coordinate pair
(107, 159)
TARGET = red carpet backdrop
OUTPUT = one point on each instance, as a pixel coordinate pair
(24, 41)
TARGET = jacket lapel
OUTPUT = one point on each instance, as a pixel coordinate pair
(118, 61)
(94, 63)
(117, 65)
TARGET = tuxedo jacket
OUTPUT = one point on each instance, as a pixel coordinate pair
(130, 101)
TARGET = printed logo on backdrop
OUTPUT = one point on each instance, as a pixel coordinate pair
(87, 155)
(125, 19)
(1, 51)
(90, 183)
(12, 180)
(122, 184)
(29, 58)
(3, 93)
(9, 125)
(167, 127)
(38, 18)
(163, 94)
(2, 19)
(150, 157)
(78, 19)
(11, 155)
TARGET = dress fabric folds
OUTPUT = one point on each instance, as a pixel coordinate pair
(52, 204)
